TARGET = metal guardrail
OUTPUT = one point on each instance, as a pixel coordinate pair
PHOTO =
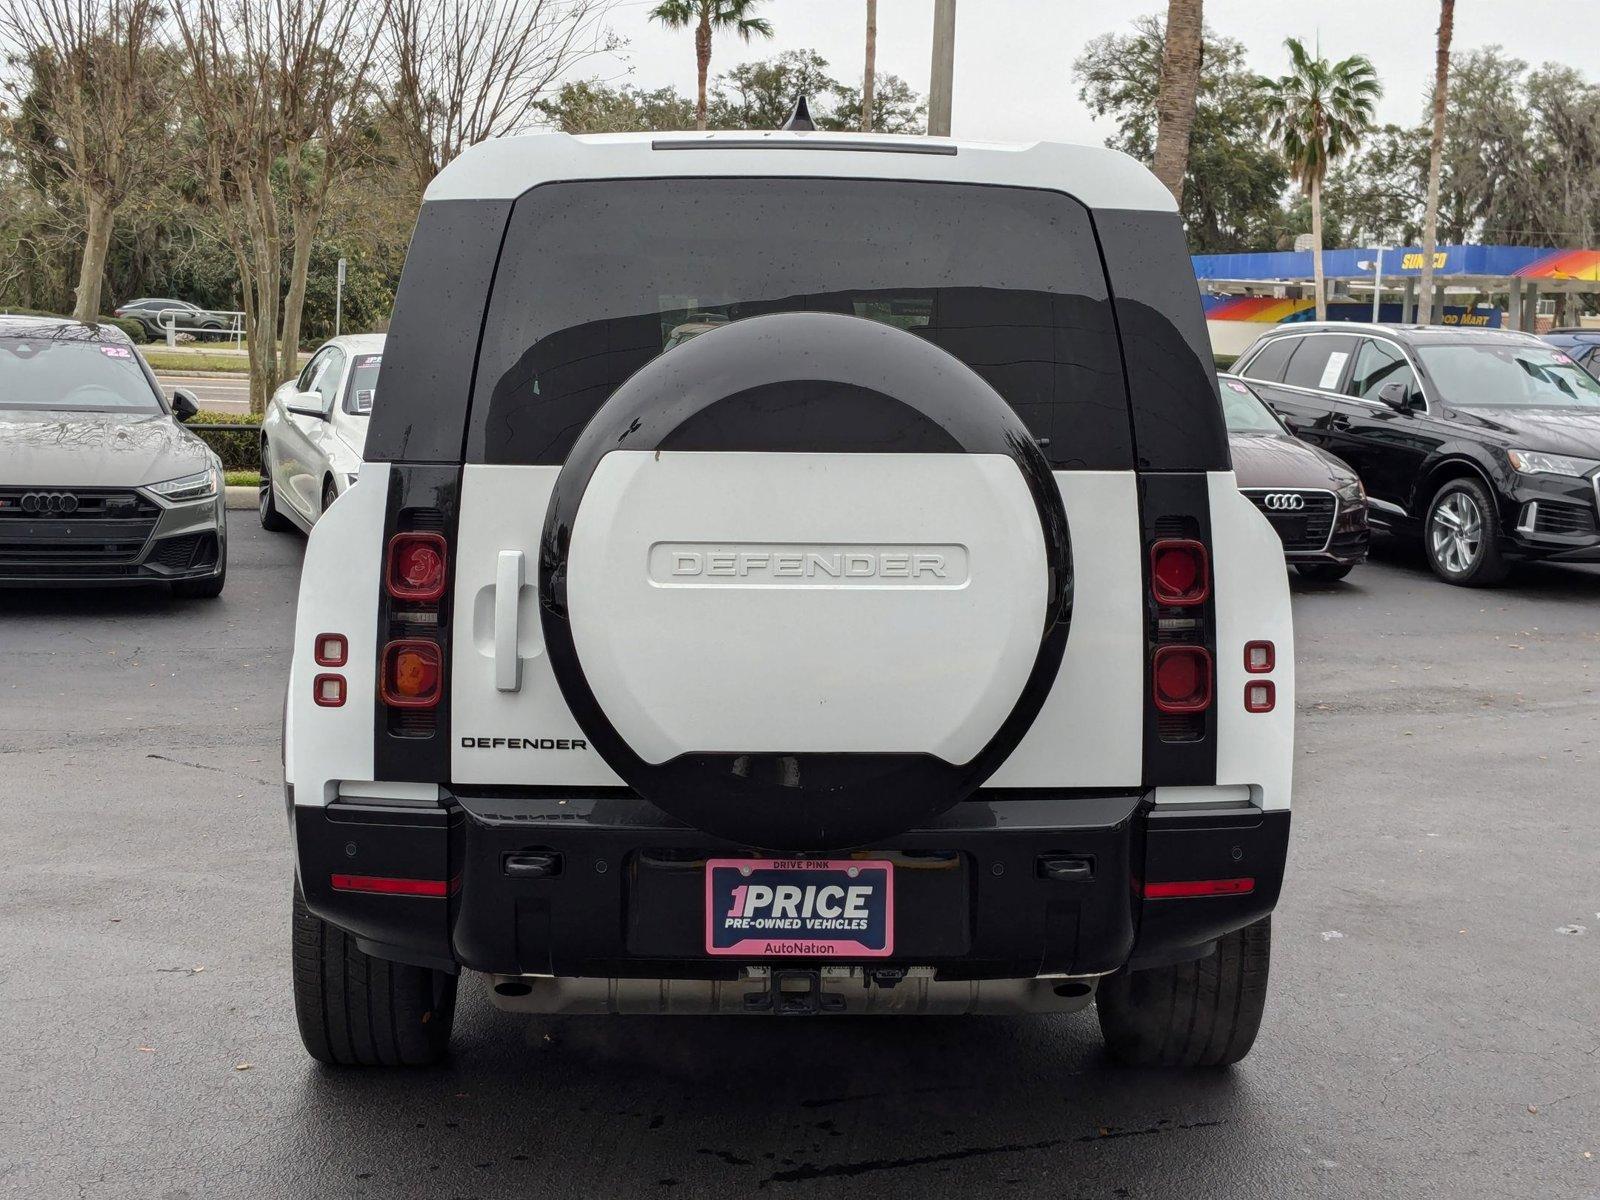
(234, 332)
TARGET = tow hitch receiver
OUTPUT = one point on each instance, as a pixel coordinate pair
(794, 993)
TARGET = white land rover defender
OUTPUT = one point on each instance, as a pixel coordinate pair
(791, 573)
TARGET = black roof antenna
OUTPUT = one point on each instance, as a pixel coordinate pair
(800, 116)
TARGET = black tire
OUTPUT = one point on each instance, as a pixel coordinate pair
(272, 520)
(1196, 1014)
(202, 589)
(1324, 572)
(329, 494)
(358, 1011)
(1476, 559)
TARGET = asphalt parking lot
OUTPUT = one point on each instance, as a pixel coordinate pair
(1433, 1029)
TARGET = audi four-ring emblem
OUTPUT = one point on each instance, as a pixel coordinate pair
(49, 502)
(1284, 502)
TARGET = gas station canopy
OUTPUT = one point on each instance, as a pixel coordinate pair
(1258, 287)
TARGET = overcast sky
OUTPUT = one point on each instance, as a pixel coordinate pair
(1014, 78)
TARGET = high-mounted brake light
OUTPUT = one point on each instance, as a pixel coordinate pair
(413, 675)
(1181, 679)
(1185, 888)
(415, 567)
(1180, 574)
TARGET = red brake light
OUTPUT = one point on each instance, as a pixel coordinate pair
(413, 675)
(388, 886)
(1180, 576)
(1184, 888)
(1181, 679)
(415, 567)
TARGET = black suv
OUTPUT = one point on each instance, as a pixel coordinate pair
(1484, 442)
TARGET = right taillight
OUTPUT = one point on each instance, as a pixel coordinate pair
(1180, 574)
(415, 567)
(412, 674)
(1181, 679)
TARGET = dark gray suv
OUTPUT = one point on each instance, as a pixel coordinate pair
(99, 481)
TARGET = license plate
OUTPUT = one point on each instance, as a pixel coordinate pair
(799, 908)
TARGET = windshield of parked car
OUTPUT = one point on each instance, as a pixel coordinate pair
(1507, 374)
(363, 385)
(1243, 412)
(79, 374)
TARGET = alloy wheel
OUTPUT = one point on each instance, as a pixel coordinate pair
(1455, 533)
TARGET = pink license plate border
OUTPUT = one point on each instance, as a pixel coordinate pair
(809, 946)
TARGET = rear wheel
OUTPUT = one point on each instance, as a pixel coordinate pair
(329, 495)
(1195, 1014)
(272, 520)
(1324, 572)
(1461, 535)
(358, 1011)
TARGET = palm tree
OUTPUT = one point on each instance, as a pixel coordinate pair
(1430, 220)
(707, 16)
(1319, 111)
(869, 76)
(1179, 90)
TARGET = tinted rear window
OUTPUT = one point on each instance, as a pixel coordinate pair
(1268, 364)
(1320, 362)
(596, 279)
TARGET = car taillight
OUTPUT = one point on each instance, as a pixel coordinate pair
(1180, 575)
(1260, 696)
(412, 674)
(415, 569)
(1181, 679)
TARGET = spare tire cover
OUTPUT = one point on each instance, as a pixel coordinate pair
(805, 581)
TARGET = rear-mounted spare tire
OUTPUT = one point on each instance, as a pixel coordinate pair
(805, 581)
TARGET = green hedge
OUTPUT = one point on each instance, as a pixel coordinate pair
(238, 451)
(132, 328)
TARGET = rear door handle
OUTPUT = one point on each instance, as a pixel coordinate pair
(509, 575)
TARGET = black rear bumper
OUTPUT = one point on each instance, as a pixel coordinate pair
(1006, 885)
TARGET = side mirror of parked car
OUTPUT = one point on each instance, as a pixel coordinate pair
(1396, 395)
(307, 404)
(184, 404)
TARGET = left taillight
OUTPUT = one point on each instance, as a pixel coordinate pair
(413, 657)
(412, 674)
(414, 569)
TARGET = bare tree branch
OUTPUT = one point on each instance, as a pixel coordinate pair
(462, 71)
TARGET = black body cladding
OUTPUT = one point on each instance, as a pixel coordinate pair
(1172, 387)
(432, 348)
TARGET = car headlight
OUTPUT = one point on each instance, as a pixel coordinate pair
(202, 485)
(1537, 462)
(1352, 492)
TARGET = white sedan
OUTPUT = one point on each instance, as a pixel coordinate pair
(314, 429)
